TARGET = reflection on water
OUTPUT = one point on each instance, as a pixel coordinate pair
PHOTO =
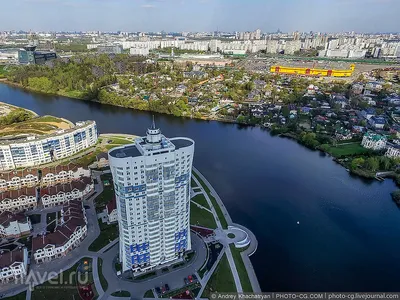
(347, 238)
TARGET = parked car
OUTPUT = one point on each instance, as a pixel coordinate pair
(163, 289)
(194, 276)
(167, 287)
(186, 280)
(158, 290)
(190, 278)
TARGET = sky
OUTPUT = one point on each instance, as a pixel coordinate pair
(201, 15)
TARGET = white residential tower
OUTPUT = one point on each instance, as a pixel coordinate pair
(152, 189)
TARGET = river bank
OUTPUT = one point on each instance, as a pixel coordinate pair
(268, 184)
(75, 95)
(365, 174)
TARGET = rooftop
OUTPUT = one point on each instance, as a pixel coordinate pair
(181, 142)
(8, 258)
(125, 151)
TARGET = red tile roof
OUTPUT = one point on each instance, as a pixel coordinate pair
(73, 217)
(10, 257)
(7, 217)
(14, 194)
(111, 205)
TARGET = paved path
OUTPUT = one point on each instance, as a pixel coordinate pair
(137, 289)
(253, 241)
(96, 279)
(224, 242)
(173, 278)
(45, 271)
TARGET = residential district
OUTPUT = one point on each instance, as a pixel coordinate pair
(114, 215)
(132, 211)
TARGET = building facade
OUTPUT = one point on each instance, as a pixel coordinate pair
(13, 265)
(393, 150)
(69, 234)
(152, 189)
(374, 141)
(14, 180)
(34, 151)
(14, 225)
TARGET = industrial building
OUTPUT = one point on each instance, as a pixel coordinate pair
(29, 55)
(152, 190)
(312, 72)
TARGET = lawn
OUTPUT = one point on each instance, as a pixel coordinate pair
(201, 217)
(108, 233)
(200, 199)
(61, 287)
(121, 294)
(347, 150)
(241, 269)
(119, 141)
(145, 276)
(193, 183)
(214, 203)
(148, 294)
(88, 159)
(20, 296)
(221, 280)
(106, 196)
(35, 219)
(103, 281)
(51, 221)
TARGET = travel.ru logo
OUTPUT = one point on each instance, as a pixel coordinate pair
(54, 279)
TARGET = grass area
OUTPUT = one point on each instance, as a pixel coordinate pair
(121, 294)
(51, 221)
(88, 159)
(108, 233)
(118, 266)
(231, 235)
(241, 269)
(61, 287)
(193, 183)
(201, 217)
(38, 126)
(178, 265)
(191, 287)
(221, 280)
(20, 296)
(106, 196)
(148, 294)
(202, 271)
(103, 281)
(189, 256)
(46, 119)
(35, 219)
(119, 141)
(214, 202)
(145, 276)
(200, 199)
(347, 150)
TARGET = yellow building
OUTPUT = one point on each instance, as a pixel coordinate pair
(312, 71)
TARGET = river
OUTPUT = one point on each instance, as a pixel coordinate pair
(348, 236)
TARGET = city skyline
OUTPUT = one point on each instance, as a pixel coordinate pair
(201, 15)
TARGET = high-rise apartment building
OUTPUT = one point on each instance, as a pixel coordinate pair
(152, 189)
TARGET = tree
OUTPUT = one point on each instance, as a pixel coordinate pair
(357, 162)
(372, 164)
(385, 163)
